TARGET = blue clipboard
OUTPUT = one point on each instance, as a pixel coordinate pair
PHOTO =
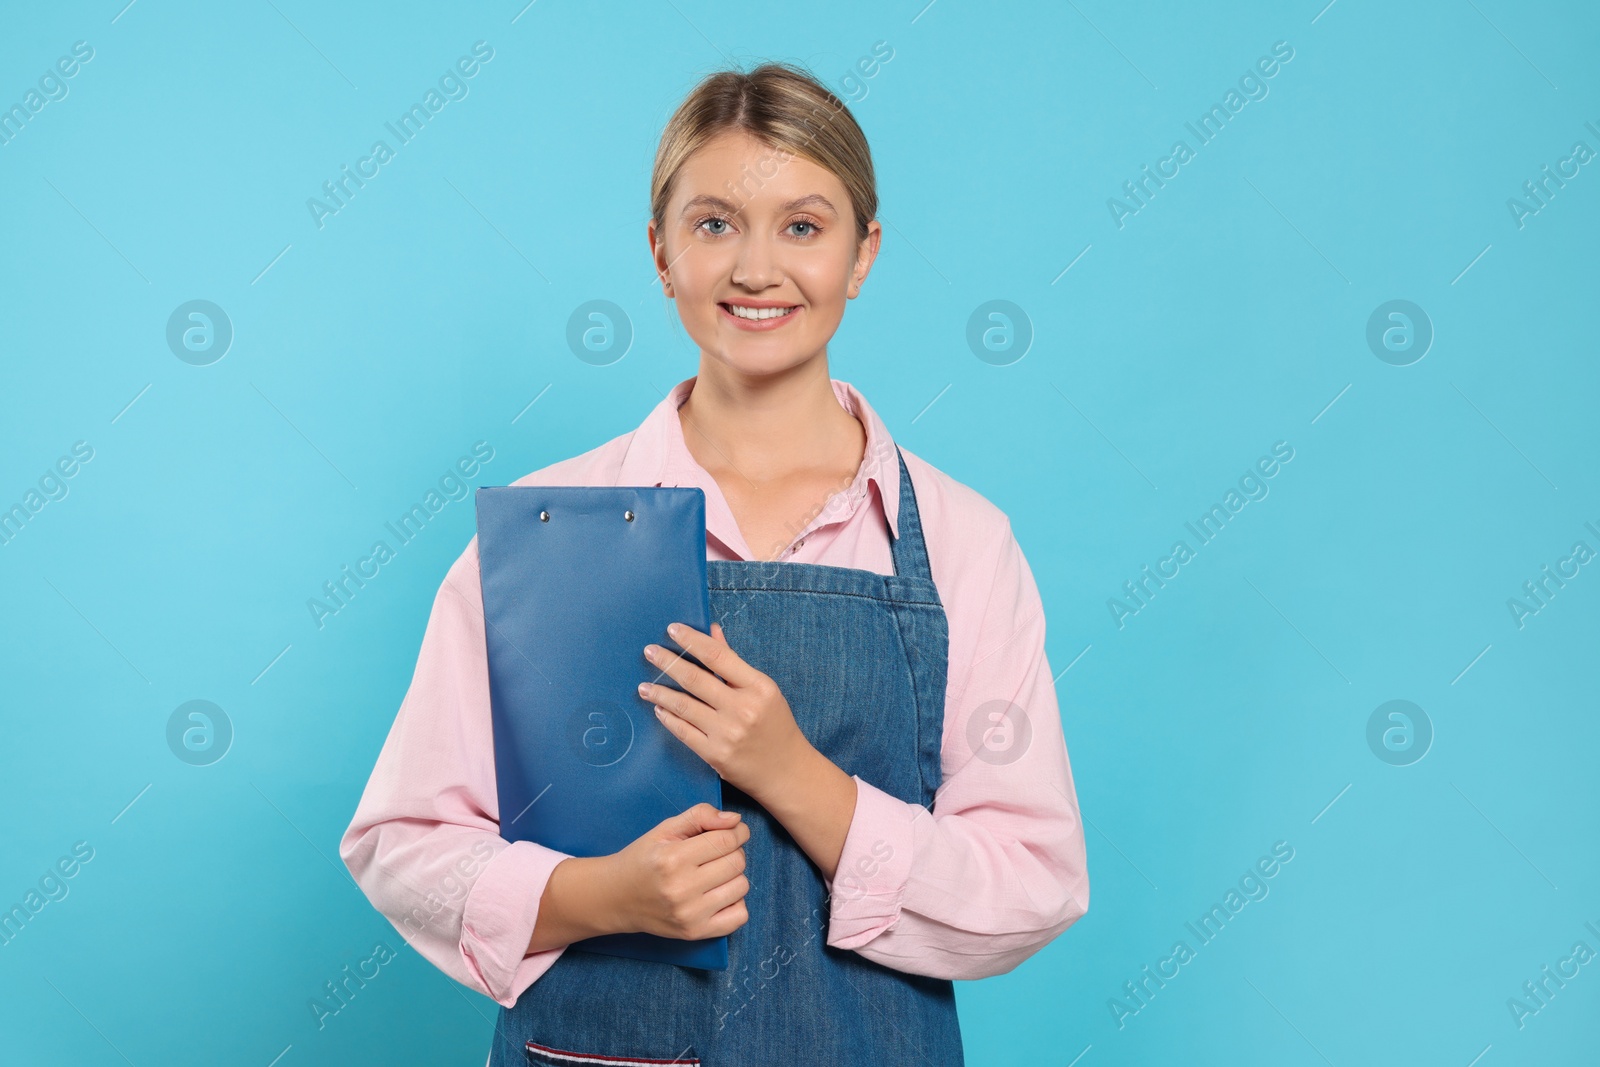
(576, 581)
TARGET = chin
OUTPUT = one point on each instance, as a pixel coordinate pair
(759, 361)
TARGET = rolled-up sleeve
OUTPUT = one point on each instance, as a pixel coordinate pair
(997, 869)
(424, 845)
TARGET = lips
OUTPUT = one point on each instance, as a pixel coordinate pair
(756, 312)
(766, 316)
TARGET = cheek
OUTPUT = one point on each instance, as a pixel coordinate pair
(695, 277)
(824, 286)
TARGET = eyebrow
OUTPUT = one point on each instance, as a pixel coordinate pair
(707, 200)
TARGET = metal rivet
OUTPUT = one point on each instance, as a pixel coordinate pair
(544, 516)
(628, 515)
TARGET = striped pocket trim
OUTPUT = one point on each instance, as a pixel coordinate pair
(558, 1057)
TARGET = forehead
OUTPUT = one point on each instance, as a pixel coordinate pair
(735, 162)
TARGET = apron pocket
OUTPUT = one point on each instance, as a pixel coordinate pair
(548, 1056)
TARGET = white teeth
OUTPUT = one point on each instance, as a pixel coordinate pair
(757, 313)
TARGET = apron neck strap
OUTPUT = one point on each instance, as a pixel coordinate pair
(909, 549)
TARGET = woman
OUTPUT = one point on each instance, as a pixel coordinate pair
(900, 807)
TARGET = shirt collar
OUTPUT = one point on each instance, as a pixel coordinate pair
(657, 454)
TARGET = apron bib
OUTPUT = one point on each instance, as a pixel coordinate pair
(862, 659)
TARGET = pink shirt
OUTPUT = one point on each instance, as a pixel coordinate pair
(991, 876)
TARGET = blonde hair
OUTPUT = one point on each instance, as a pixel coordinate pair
(783, 106)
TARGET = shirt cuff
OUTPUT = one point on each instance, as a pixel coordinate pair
(874, 867)
(499, 918)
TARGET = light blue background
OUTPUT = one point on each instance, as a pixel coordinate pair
(1228, 314)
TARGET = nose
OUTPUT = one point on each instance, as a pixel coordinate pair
(756, 266)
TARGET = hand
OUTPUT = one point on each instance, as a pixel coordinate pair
(684, 878)
(739, 723)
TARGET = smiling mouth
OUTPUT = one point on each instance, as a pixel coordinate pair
(758, 314)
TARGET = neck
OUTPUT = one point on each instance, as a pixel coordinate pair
(771, 425)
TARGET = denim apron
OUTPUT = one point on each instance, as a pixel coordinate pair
(861, 658)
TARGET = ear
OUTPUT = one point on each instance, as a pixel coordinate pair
(658, 253)
(866, 255)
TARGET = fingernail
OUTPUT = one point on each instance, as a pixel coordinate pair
(674, 629)
(644, 689)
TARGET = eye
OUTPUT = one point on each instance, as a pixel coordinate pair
(709, 220)
(812, 228)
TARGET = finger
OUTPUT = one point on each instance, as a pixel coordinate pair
(728, 919)
(730, 892)
(681, 726)
(694, 678)
(685, 706)
(716, 654)
(718, 871)
(708, 816)
(713, 846)
(697, 820)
